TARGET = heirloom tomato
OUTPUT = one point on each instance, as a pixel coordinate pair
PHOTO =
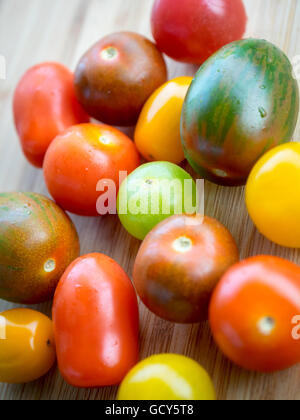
(96, 322)
(27, 348)
(152, 193)
(272, 195)
(45, 105)
(179, 264)
(38, 242)
(192, 30)
(252, 312)
(167, 377)
(117, 75)
(157, 134)
(80, 158)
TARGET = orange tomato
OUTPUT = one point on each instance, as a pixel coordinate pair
(157, 135)
(252, 313)
(96, 322)
(81, 157)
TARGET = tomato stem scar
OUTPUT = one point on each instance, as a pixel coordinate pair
(49, 265)
(266, 325)
(182, 244)
(109, 53)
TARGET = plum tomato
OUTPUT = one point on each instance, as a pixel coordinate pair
(252, 313)
(45, 105)
(192, 30)
(83, 156)
(167, 377)
(96, 322)
(179, 264)
(152, 193)
(27, 348)
(272, 195)
(117, 75)
(157, 135)
(38, 242)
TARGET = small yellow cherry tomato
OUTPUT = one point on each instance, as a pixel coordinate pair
(167, 377)
(272, 195)
(157, 134)
(27, 349)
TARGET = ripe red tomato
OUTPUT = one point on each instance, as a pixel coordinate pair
(81, 157)
(252, 312)
(45, 105)
(192, 30)
(96, 322)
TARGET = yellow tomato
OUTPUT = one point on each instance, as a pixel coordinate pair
(27, 349)
(167, 377)
(157, 134)
(272, 195)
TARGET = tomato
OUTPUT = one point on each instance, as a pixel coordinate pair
(167, 377)
(96, 322)
(117, 75)
(192, 30)
(157, 135)
(152, 193)
(38, 242)
(81, 157)
(27, 349)
(179, 264)
(272, 195)
(252, 312)
(45, 105)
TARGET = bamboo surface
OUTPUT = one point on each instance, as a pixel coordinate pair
(34, 31)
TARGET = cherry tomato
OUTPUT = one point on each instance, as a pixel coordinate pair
(45, 105)
(27, 349)
(117, 75)
(167, 377)
(152, 193)
(96, 322)
(252, 312)
(81, 157)
(157, 135)
(192, 30)
(272, 195)
(179, 264)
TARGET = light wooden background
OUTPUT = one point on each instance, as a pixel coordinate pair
(33, 31)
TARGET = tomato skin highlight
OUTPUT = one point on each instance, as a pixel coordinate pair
(96, 322)
(45, 105)
(252, 311)
(192, 30)
(81, 157)
(179, 264)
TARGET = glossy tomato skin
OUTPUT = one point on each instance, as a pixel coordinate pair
(27, 348)
(38, 242)
(45, 105)
(81, 157)
(117, 75)
(272, 196)
(192, 30)
(96, 322)
(252, 312)
(179, 264)
(157, 134)
(161, 377)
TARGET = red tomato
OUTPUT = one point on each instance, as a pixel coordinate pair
(96, 322)
(81, 157)
(252, 313)
(44, 105)
(192, 30)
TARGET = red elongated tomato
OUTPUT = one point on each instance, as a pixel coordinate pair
(45, 105)
(95, 315)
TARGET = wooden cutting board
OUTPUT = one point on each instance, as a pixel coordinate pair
(33, 31)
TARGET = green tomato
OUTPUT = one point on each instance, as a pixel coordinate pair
(152, 193)
(167, 377)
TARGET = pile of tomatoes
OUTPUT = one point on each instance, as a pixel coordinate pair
(187, 269)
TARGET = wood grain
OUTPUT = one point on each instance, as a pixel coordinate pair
(59, 30)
